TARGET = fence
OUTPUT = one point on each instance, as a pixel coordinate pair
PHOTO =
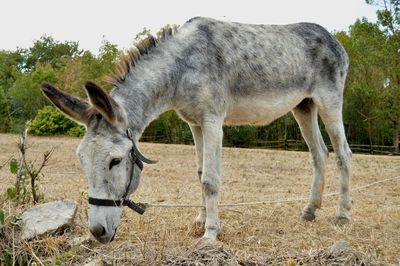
(300, 145)
(291, 144)
(373, 149)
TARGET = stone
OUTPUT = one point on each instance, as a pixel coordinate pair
(47, 219)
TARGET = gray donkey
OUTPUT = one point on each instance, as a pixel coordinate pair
(211, 73)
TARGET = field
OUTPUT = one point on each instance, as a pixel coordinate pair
(251, 234)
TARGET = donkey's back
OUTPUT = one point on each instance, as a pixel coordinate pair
(256, 73)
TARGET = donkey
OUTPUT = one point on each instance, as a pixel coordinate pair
(211, 73)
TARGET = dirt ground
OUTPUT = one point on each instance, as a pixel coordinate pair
(253, 233)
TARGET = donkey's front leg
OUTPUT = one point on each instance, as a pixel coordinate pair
(211, 178)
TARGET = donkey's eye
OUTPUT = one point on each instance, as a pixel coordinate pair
(114, 162)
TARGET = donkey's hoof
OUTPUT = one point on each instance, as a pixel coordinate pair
(212, 231)
(342, 220)
(309, 213)
(211, 234)
(307, 216)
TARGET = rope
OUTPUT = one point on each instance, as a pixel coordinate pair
(264, 202)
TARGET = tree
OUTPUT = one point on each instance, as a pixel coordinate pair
(108, 53)
(388, 15)
(364, 104)
(5, 112)
(26, 96)
(76, 71)
(389, 20)
(46, 50)
(10, 67)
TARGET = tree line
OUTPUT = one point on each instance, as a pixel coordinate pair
(371, 102)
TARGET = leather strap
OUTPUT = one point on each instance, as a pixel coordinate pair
(117, 203)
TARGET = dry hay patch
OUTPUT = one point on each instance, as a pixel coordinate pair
(206, 252)
(203, 252)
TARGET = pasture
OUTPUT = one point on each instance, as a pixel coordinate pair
(261, 233)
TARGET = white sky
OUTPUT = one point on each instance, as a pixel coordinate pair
(87, 21)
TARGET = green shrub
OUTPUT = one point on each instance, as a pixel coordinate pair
(49, 121)
(76, 131)
(168, 128)
(240, 136)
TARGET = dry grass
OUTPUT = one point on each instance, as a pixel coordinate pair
(256, 235)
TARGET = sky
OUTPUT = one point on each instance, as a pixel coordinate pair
(91, 21)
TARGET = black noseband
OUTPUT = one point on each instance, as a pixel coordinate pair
(117, 203)
(137, 159)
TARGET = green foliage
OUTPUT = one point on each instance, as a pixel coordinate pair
(76, 131)
(46, 50)
(1, 217)
(10, 68)
(168, 128)
(25, 94)
(389, 14)
(108, 53)
(241, 136)
(78, 70)
(371, 107)
(26, 175)
(5, 112)
(11, 193)
(50, 121)
(13, 166)
(22, 192)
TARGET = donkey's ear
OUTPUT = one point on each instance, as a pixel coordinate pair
(105, 104)
(72, 106)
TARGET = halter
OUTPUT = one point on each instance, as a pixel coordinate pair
(137, 159)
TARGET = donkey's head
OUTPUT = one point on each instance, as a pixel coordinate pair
(105, 153)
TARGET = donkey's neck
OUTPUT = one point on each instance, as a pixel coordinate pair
(144, 95)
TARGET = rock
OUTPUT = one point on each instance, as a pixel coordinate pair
(339, 246)
(47, 219)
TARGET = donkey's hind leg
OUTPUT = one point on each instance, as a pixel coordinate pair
(330, 109)
(198, 142)
(306, 115)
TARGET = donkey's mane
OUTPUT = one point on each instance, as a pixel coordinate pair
(130, 59)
